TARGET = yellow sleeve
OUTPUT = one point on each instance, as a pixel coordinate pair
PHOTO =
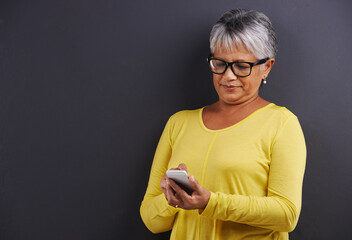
(279, 210)
(156, 214)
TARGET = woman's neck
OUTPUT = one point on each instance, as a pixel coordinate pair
(253, 103)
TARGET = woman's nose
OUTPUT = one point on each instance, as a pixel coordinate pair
(229, 75)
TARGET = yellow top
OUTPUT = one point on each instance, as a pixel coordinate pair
(254, 170)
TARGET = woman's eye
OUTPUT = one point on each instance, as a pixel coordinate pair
(242, 66)
(220, 64)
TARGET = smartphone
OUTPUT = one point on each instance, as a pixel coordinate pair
(181, 178)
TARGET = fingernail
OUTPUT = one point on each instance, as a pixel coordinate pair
(192, 178)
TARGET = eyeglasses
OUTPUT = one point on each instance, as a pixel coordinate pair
(240, 69)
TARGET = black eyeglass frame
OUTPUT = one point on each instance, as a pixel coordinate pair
(251, 64)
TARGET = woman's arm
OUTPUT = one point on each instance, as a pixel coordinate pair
(156, 214)
(280, 209)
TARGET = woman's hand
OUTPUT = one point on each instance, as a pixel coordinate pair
(177, 197)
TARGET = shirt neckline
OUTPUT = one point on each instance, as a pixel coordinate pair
(232, 126)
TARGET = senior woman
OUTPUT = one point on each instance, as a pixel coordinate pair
(245, 156)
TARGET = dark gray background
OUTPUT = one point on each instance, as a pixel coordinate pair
(86, 88)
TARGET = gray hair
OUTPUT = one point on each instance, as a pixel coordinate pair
(248, 27)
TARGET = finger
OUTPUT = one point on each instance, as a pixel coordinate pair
(174, 186)
(167, 194)
(165, 188)
(182, 194)
(194, 183)
(173, 198)
(182, 166)
(163, 182)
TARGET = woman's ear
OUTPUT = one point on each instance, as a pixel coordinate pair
(268, 66)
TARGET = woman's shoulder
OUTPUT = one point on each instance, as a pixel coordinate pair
(275, 118)
(185, 114)
(279, 111)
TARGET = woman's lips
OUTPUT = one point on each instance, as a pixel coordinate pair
(230, 87)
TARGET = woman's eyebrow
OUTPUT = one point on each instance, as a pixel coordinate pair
(241, 60)
(237, 60)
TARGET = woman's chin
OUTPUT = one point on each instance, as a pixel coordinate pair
(231, 98)
(231, 101)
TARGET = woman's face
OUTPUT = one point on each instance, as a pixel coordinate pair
(236, 90)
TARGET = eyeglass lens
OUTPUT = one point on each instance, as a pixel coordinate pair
(241, 69)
